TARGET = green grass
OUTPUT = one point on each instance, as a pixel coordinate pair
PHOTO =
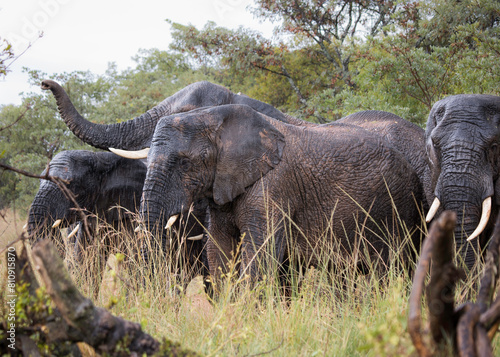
(325, 313)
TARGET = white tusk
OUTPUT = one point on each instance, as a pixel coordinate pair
(432, 211)
(137, 229)
(198, 237)
(25, 226)
(73, 232)
(171, 221)
(485, 216)
(138, 154)
(57, 223)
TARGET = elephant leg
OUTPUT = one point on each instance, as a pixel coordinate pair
(222, 245)
(263, 245)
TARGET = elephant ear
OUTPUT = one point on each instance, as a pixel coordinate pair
(248, 147)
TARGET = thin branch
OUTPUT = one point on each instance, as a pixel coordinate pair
(17, 120)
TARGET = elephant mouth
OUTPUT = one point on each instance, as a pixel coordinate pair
(485, 216)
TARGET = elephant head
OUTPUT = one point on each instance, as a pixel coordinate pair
(99, 181)
(136, 134)
(463, 147)
(206, 154)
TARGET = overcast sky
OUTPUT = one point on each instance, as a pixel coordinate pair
(89, 34)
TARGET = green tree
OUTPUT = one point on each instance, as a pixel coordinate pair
(434, 49)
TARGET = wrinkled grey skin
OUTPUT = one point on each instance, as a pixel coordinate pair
(462, 142)
(250, 167)
(404, 136)
(100, 181)
(136, 133)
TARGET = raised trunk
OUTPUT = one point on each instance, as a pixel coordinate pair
(133, 134)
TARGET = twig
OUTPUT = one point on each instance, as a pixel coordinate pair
(61, 184)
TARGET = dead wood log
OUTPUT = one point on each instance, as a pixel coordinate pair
(97, 327)
(439, 231)
(75, 318)
(472, 326)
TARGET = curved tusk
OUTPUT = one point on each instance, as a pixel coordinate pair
(25, 226)
(138, 154)
(57, 223)
(73, 232)
(171, 221)
(485, 216)
(137, 229)
(432, 211)
(198, 237)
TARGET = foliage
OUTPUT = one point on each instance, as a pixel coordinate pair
(435, 49)
(6, 55)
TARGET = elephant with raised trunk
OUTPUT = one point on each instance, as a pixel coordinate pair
(256, 172)
(463, 147)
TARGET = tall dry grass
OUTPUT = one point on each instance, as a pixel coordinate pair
(323, 311)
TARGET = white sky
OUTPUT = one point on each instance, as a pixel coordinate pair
(88, 34)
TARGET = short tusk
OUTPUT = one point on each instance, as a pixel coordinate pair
(25, 226)
(73, 232)
(137, 229)
(171, 221)
(138, 154)
(57, 223)
(198, 237)
(485, 216)
(432, 211)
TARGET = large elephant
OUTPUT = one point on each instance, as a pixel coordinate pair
(105, 186)
(101, 183)
(256, 171)
(463, 147)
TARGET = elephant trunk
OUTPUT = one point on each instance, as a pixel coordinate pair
(48, 206)
(133, 134)
(468, 202)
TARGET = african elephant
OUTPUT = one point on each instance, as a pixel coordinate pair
(105, 186)
(255, 171)
(463, 147)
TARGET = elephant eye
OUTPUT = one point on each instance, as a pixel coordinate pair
(185, 163)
